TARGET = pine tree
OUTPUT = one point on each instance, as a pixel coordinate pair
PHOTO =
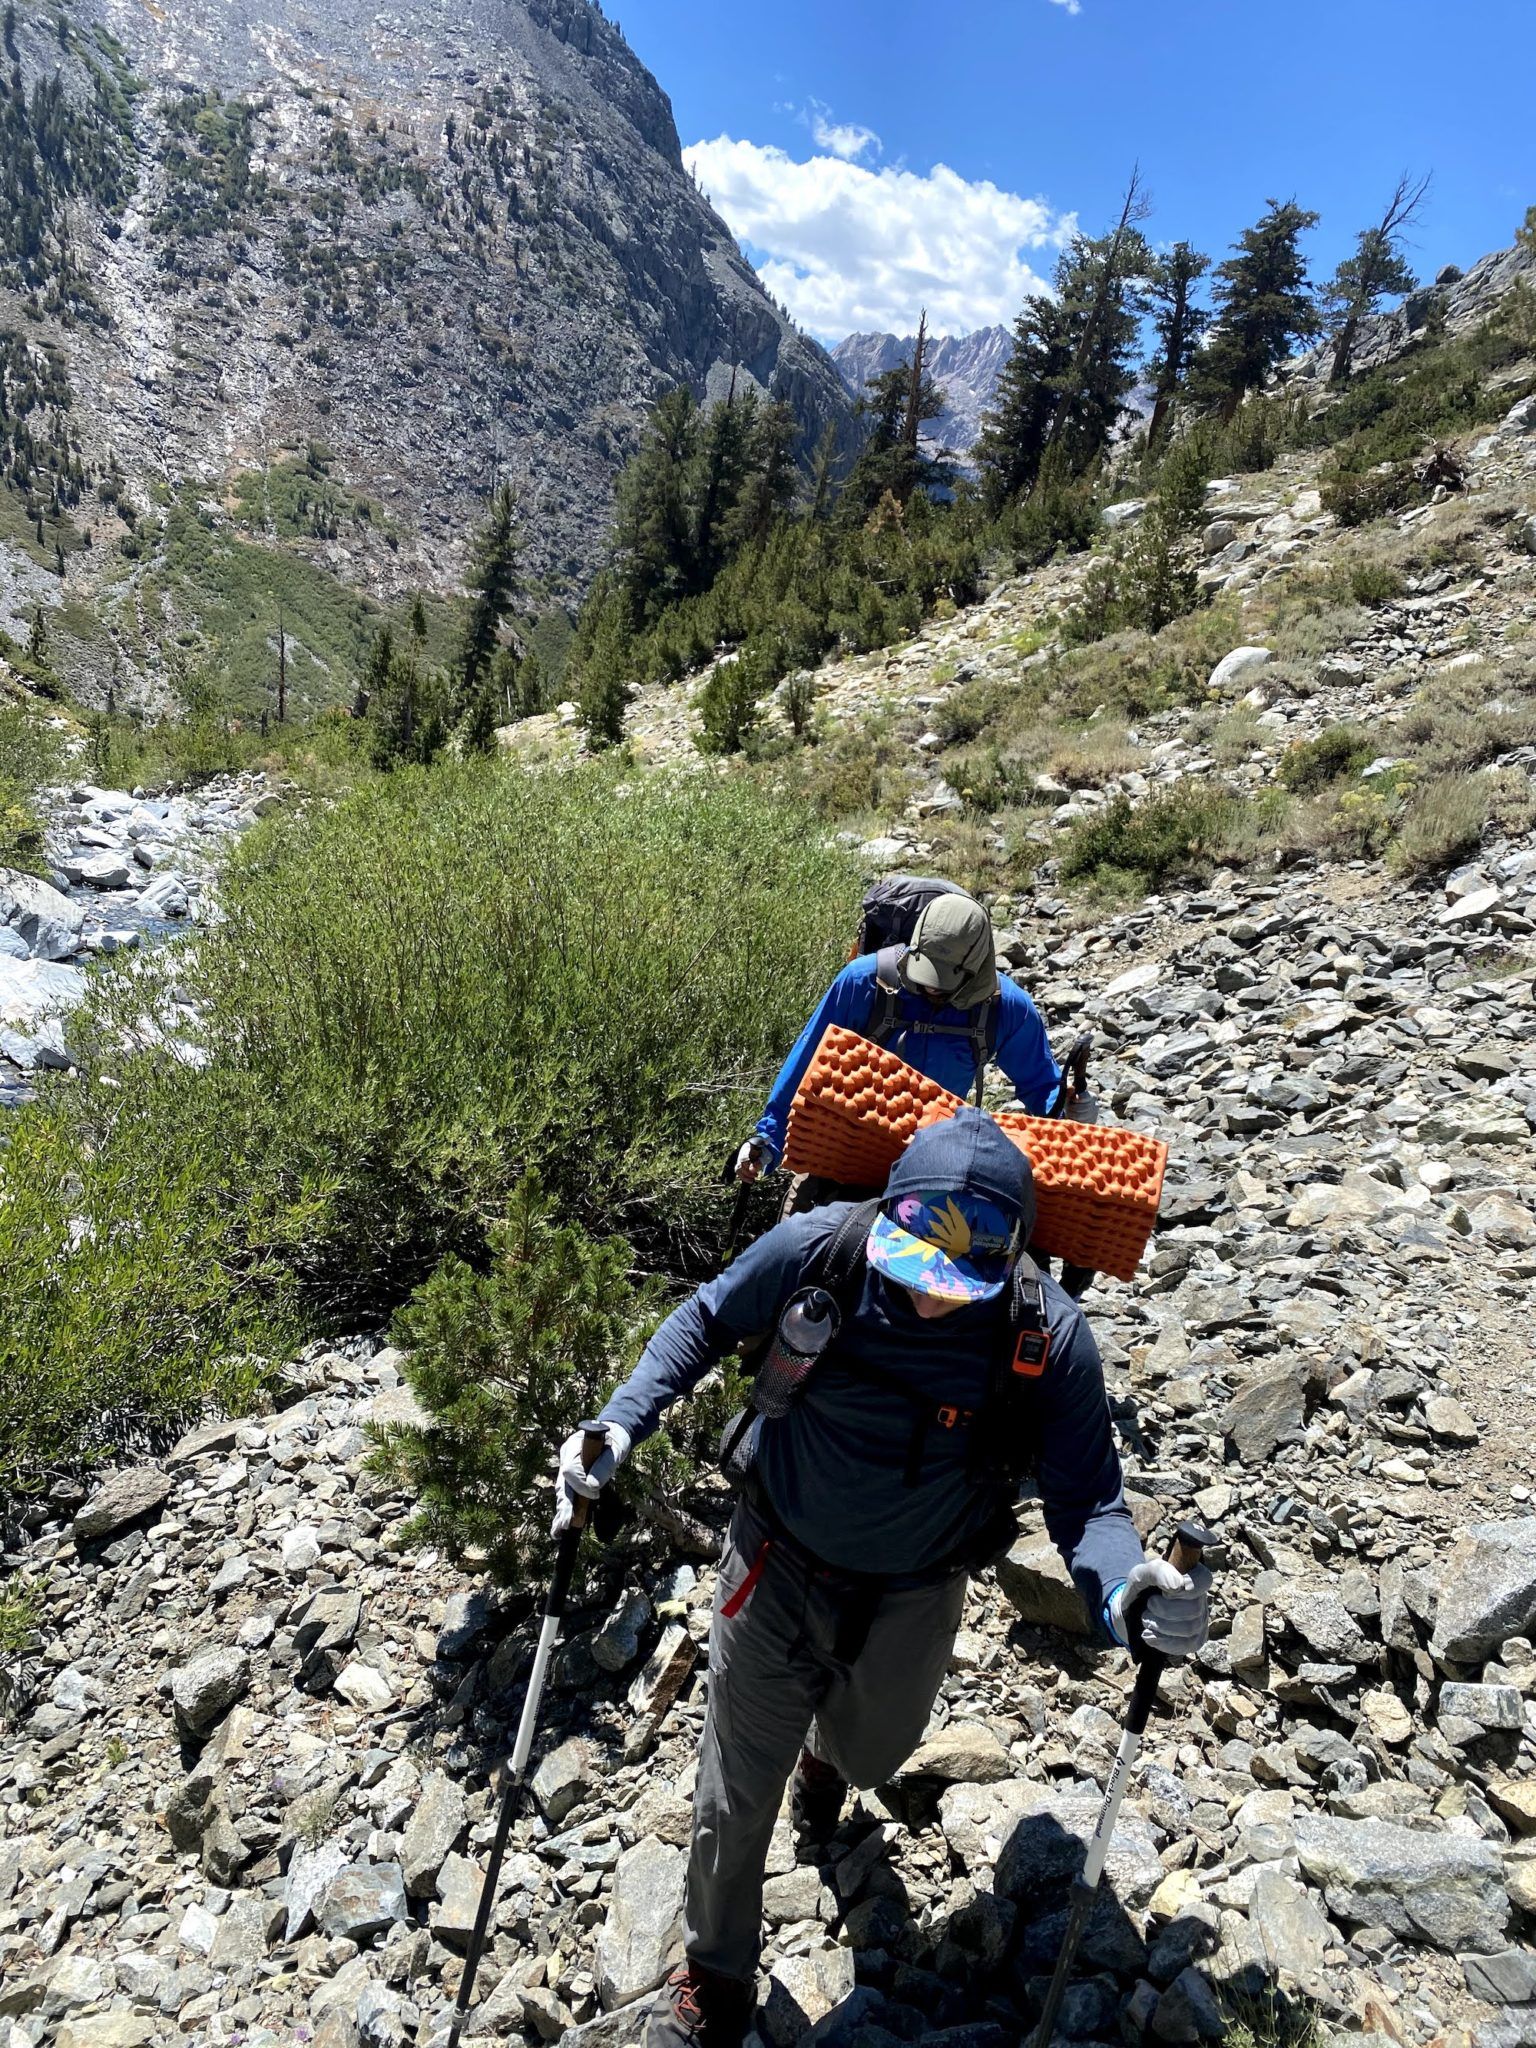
(714, 484)
(768, 484)
(824, 475)
(603, 668)
(891, 463)
(282, 669)
(1111, 313)
(1064, 387)
(652, 535)
(406, 708)
(418, 619)
(493, 588)
(1264, 303)
(1378, 270)
(1178, 324)
(505, 1362)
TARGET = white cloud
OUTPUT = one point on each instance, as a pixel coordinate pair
(1072, 6)
(847, 139)
(847, 247)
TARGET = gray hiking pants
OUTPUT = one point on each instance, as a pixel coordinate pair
(790, 1647)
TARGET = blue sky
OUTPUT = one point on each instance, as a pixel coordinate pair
(879, 154)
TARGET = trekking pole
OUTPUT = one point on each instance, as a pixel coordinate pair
(1075, 1070)
(1188, 1546)
(594, 1441)
(738, 1210)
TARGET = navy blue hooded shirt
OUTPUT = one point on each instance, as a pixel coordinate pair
(835, 1467)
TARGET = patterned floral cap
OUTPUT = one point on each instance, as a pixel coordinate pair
(956, 1245)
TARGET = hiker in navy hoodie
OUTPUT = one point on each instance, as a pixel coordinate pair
(937, 1003)
(955, 1367)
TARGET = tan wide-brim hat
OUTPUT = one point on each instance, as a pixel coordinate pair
(953, 953)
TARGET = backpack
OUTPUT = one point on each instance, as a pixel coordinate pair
(1001, 1434)
(892, 907)
(890, 913)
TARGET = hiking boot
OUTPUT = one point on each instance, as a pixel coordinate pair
(816, 1796)
(698, 2008)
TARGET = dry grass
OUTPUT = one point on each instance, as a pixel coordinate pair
(1511, 800)
(1089, 759)
(1442, 824)
(1232, 736)
(1311, 618)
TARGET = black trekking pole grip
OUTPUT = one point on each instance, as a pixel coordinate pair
(594, 1443)
(1186, 1551)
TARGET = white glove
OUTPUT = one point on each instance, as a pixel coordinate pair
(1175, 1616)
(573, 1481)
(753, 1160)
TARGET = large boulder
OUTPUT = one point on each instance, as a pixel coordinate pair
(362, 1900)
(1487, 1591)
(1034, 1577)
(1238, 667)
(431, 1834)
(1261, 1413)
(1037, 1836)
(564, 1779)
(127, 1497)
(964, 1752)
(46, 922)
(802, 1990)
(205, 1688)
(1447, 1890)
(643, 1935)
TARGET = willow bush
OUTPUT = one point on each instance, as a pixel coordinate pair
(416, 995)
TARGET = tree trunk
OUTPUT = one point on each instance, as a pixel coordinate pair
(1344, 347)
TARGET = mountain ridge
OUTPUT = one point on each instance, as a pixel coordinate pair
(965, 367)
(451, 247)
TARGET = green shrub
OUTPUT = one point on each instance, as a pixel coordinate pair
(133, 1279)
(968, 711)
(1442, 824)
(854, 770)
(1355, 499)
(1375, 583)
(1178, 836)
(988, 781)
(730, 700)
(1311, 765)
(417, 994)
(30, 755)
(1056, 519)
(507, 1362)
(20, 1608)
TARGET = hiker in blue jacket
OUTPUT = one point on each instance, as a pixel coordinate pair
(937, 1003)
(867, 1506)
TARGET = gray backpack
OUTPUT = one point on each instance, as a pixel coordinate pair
(890, 913)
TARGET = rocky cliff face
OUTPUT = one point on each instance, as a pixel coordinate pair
(449, 243)
(1457, 302)
(966, 368)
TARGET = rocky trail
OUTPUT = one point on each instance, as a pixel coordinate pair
(246, 1796)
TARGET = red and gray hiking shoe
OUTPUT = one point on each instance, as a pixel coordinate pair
(816, 1796)
(698, 2008)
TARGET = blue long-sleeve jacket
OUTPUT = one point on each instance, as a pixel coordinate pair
(835, 1467)
(1023, 1050)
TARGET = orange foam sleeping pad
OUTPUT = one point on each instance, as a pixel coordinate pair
(1096, 1187)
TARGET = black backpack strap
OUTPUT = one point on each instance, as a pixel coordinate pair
(984, 1040)
(1004, 1442)
(882, 1016)
(838, 1264)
